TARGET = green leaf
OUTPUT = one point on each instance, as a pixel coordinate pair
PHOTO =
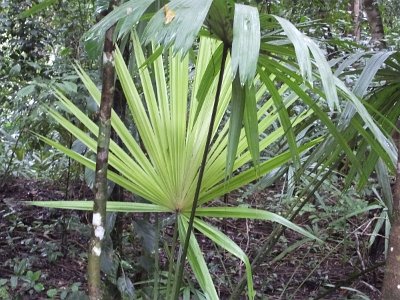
(177, 24)
(251, 124)
(38, 287)
(383, 177)
(225, 242)
(245, 177)
(111, 206)
(351, 59)
(15, 70)
(325, 74)
(338, 138)
(20, 153)
(246, 42)
(126, 287)
(63, 294)
(186, 293)
(51, 293)
(357, 212)
(290, 249)
(156, 54)
(211, 72)
(371, 68)
(251, 213)
(20, 267)
(26, 91)
(355, 105)
(36, 275)
(131, 10)
(382, 218)
(283, 116)
(302, 52)
(13, 281)
(219, 20)
(36, 8)
(235, 125)
(196, 260)
(67, 87)
(101, 6)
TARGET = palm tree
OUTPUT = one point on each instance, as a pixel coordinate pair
(166, 172)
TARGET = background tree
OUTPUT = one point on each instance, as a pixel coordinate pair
(390, 288)
(375, 23)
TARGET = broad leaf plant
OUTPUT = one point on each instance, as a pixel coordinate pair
(173, 134)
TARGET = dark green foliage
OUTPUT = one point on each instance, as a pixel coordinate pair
(37, 54)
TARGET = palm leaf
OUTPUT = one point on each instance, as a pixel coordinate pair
(196, 260)
(225, 242)
(246, 42)
(178, 16)
(131, 11)
(111, 206)
(251, 213)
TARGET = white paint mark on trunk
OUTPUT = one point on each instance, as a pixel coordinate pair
(391, 249)
(96, 219)
(107, 58)
(103, 155)
(99, 232)
(96, 251)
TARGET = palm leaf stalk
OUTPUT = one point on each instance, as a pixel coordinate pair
(182, 258)
(172, 131)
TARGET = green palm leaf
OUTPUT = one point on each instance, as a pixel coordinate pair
(246, 42)
(130, 13)
(177, 24)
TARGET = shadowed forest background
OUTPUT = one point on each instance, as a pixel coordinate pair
(267, 130)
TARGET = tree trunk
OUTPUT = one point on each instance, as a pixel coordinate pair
(101, 187)
(375, 24)
(391, 282)
(357, 19)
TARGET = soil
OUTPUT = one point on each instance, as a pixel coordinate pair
(55, 242)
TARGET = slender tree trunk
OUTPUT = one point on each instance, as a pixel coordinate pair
(101, 187)
(391, 282)
(375, 23)
(357, 19)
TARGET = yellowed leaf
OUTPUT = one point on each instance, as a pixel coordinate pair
(169, 14)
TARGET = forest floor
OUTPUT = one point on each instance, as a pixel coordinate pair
(55, 242)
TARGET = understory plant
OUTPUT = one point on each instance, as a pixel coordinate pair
(173, 130)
